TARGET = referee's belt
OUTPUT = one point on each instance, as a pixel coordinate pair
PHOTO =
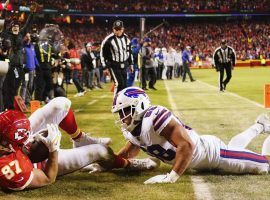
(119, 64)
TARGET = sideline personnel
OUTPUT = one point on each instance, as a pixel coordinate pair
(224, 59)
(116, 55)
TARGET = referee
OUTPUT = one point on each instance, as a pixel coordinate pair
(224, 59)
(117, 56)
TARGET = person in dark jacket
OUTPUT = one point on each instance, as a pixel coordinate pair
(87, 62)
(15, 34)
(15, 74)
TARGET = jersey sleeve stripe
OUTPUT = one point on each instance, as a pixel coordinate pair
(162, 120)
(159, 115)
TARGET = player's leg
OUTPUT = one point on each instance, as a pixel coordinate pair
(70, 160)
(52, 113)
(242, 161)
(58, 111)
(262, 124)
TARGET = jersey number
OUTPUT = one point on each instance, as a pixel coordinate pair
(161, 153)
(8, 172)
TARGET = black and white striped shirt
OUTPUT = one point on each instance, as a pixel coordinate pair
(116, 49)
(224, 56)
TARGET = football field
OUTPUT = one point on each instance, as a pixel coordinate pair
(201, 106)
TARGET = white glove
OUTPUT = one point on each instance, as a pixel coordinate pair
(93, 168)
(52, 141)
(166, 178)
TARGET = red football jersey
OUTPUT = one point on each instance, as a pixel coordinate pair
(16, 171)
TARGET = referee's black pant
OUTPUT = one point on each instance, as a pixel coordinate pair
(228, 68)
(119, 76)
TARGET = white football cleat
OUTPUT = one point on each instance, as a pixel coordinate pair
(143, 164)
(264, 120)
(86, 140)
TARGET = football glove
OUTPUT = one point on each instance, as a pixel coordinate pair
(166, 178)
(52, 141)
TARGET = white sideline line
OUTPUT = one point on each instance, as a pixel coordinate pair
(201, 188)
(233, 94)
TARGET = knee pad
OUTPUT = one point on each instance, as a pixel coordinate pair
(61, 103)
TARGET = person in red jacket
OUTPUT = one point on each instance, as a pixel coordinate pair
(76, 68)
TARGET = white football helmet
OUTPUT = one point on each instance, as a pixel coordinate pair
(131, 101)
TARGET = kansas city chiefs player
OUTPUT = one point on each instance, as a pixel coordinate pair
(17, 171)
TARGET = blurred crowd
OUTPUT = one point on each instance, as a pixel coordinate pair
(157, 5)
(251, 40)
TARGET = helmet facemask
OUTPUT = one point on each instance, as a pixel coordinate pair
(135, 110)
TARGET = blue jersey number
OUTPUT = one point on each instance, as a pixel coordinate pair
(161, 153)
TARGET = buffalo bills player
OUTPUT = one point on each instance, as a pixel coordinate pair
(158, 132)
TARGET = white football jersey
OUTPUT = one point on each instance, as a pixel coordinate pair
(147, 136)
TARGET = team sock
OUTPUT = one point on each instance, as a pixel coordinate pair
(120, 162)
(266, 147)
(69, 125)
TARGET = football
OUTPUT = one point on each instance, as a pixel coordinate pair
(37, 151)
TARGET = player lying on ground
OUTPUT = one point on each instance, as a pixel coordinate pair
(17, 170)
(159, 133)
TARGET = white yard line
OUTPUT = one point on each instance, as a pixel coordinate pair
(89, 103)
(201, 188)
(92, 102)
(103, 96)
(234, 95)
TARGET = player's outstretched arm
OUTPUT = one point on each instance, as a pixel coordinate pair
(178, 137)
(129, 151)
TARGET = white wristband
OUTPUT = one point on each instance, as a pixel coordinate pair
(173, 176)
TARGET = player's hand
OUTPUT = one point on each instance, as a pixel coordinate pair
(166, 178)
(52, 141)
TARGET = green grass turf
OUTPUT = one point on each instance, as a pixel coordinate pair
(200, 106)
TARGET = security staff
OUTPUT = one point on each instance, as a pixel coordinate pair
(224, 59)
(116, 55)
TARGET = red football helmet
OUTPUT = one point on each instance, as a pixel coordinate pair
(14, 127)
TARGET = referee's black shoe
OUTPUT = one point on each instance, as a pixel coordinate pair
(153, 88)
(224, 86)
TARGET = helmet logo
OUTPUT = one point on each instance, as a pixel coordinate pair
(21, 133)
(134, 93)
